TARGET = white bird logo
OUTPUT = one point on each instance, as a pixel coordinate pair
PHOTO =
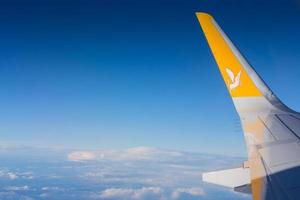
(235, 80)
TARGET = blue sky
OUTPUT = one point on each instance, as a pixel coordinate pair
(119, 74)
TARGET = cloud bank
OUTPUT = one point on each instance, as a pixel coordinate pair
(140, 173)
(138, 153)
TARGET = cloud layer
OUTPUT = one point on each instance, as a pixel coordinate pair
(138, 153)
(140, 173)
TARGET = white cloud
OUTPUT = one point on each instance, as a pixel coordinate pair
(194, 191)
(8, 174)
(137, 153)
(13, 175)
(17, 188)
(132, 194)
(145, 193)
(81, 156)
(53, 188)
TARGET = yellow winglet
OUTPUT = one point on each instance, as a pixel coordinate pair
(228, 58)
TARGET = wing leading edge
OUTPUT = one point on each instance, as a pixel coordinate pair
(271, 129)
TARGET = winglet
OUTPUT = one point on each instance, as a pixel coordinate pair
(240, 78)
(236, 78)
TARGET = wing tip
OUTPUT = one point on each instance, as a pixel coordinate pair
(203, 15)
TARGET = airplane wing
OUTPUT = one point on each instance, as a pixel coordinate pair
(271, 129)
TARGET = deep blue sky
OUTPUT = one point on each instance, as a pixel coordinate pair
(118, 74)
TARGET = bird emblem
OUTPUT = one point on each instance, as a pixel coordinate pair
(234, 80)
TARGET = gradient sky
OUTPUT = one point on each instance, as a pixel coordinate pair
(118, 74)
